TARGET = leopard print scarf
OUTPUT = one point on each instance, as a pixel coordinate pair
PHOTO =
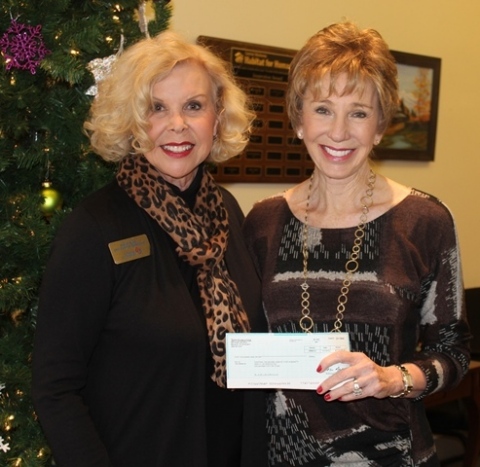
(201, 237)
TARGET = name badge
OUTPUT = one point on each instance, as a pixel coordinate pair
(129, 249)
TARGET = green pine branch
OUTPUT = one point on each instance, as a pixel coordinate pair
(41, 119)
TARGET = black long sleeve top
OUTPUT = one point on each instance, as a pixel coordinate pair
(121, 364)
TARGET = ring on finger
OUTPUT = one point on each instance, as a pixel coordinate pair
(357, 390)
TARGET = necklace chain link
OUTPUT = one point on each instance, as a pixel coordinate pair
(351, 266)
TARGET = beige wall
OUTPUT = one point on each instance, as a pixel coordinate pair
(440, 28)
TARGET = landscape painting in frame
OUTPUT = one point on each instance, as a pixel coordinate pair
(412, 133)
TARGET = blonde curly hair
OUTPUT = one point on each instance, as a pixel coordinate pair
(118, 121)
(340, 48)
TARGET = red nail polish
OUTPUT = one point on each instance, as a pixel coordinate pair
(319, 389)
(327, 396)
(319, 369)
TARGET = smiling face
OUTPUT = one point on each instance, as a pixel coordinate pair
(183, 123)
(340, 130)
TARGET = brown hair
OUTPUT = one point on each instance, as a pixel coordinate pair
(344, 48)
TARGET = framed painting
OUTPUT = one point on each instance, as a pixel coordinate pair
(412, 134)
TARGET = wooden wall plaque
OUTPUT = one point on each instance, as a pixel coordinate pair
(274, 153)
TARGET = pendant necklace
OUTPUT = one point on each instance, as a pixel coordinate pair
(351, 266)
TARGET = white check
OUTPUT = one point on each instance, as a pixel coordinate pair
(281, 360)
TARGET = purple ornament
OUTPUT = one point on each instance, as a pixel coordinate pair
(22, 47)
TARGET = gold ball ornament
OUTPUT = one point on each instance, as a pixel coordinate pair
(52, 199)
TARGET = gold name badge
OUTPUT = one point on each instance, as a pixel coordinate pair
(129, 249)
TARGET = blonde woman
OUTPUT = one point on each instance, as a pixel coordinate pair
(148, 274)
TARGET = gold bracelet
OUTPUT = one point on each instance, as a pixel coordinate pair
(407, 382)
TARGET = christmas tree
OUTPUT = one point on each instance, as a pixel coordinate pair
(53, 52)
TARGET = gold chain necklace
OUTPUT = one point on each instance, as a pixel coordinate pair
(351, 266)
